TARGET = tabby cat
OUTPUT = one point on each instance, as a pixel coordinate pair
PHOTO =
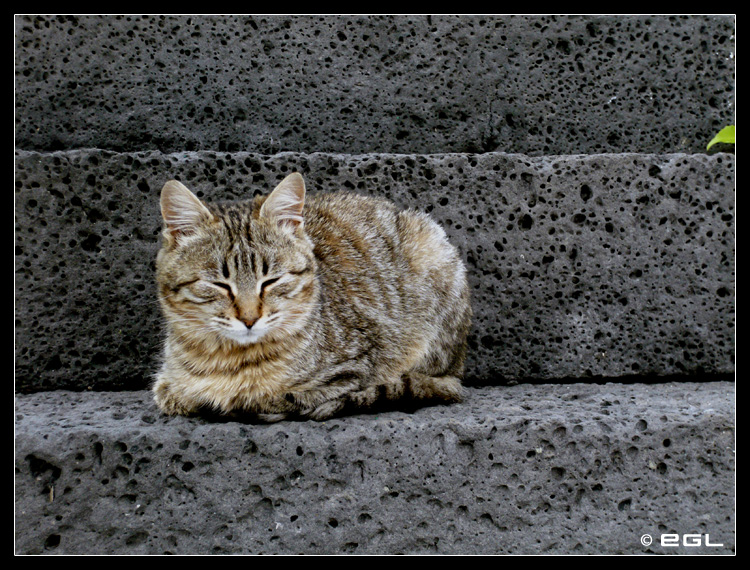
(291, 307)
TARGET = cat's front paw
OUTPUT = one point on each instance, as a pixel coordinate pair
(169, 403)
(325, 410)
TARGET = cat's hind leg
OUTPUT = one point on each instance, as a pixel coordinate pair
(409, 389)
(412, 388)
(357, 400)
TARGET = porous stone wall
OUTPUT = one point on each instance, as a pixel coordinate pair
(536, 85)
(580, 266)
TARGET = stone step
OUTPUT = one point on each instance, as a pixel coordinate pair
(532, 84)
(527, 469)
(603, 266)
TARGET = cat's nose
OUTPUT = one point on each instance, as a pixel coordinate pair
(247, 310)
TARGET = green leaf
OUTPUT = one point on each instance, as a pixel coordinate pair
(725, 135)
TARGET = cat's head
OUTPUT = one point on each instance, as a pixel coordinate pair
(236, 274)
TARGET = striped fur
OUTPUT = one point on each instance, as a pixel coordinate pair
(294, 306)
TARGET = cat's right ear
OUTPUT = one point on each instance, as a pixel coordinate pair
(181, 210)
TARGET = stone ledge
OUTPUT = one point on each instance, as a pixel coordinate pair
(526, 469)
(580, 266)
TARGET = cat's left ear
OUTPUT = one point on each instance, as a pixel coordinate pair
(285, 203)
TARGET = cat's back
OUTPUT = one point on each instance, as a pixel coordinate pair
(373, 246)
(348, 225)
(374, 230)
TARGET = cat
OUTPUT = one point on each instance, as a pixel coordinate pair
(306, 306)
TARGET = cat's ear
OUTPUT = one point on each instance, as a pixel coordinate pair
(181, 209)
(284, 205)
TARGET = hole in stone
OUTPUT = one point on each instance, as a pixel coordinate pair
(558, 472)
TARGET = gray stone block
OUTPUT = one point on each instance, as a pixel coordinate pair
(549, 469)
(581, 267)
(359, 84)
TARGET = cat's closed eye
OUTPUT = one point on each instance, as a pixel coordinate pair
(198, 292)
(282, 286)
(224, 287)
(268, 283)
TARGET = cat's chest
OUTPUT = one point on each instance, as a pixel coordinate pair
(248, 386)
